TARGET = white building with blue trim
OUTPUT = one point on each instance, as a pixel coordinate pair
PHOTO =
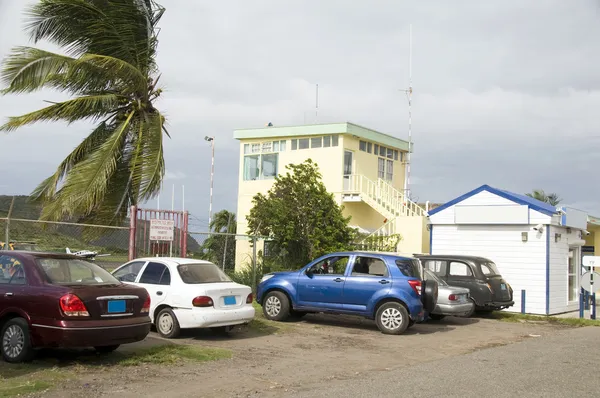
(536, 246)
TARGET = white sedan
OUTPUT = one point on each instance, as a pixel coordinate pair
(187, 293)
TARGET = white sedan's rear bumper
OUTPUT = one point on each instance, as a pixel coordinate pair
(212, 317)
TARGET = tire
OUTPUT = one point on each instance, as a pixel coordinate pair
(276, 306)
(429, 294)
(392, 318)
(437, 317)
(167, 324)
(106, 349)
(15, 341)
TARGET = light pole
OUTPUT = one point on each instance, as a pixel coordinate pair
(212, 173)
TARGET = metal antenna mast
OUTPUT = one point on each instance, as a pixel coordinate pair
(409, 95)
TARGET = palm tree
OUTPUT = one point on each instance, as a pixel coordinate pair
(540, 195)
(110, 72)
(220, 249)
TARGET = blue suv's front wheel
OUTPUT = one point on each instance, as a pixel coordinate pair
(276, 306)
(392, 318)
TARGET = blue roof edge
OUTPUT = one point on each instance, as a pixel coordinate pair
(534, 204)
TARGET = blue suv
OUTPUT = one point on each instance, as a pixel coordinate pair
(386, 287)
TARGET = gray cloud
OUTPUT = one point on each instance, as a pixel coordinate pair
(506, 93)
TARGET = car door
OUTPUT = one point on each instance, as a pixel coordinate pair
(460, 274)
(369, 276)
(321, 285)
(156, 279)
(13, 285)
(129, 272)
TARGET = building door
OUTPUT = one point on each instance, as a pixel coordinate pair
(573, 270)
(348, 160)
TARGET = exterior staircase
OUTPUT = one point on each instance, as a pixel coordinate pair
(386, 200)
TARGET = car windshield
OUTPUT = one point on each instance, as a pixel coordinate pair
(72, 271)
(433, 277)
(410, 268)
(489, 269)
(202, 273)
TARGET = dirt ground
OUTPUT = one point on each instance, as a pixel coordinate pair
(300, 356)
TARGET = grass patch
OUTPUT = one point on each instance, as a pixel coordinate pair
(21, 379)
(575, 322)
(171, 354)
(265, 326)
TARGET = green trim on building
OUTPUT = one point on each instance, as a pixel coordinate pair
(323, 129)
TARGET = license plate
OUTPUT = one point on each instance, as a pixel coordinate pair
(229, 300)
(502, 286)
(116, 306)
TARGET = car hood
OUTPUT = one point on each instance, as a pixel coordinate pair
(283, 273)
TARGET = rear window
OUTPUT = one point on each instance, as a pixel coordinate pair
(410, 268)
(489, 269)
(67, 271)
(430, 276)
(202, 273)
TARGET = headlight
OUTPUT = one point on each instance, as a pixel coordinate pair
(266, 278)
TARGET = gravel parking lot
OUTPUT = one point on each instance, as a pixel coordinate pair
(276, 358)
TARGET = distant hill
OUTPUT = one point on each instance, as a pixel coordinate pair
(58, 237)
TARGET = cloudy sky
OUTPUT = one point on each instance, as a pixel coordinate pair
(506, 92)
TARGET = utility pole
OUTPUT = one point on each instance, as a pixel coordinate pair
(212, 174)
(409, 95)
(226, 236)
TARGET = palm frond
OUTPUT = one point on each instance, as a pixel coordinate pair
(94, 107)
(87, 183)
(47, 189)
(149, 167)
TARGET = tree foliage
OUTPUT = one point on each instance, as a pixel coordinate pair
(540, 195)
(300, 216)
(220, 249)
(108, 69)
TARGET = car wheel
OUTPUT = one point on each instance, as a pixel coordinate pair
(392, 318)
(106, 349)
(16, 342)
(437, 317)
(276, 307)
(166, 324)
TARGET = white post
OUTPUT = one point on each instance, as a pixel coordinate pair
(409, 92)
(212, 176)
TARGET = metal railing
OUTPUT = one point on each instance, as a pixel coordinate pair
(382, 196)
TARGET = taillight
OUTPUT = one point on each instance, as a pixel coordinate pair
(416, 285)
(202, 301)
(249, 299)
(453, 297)
(490, 287)
(72, 305)
(146, 306)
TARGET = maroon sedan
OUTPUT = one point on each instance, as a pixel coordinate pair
(60, 300)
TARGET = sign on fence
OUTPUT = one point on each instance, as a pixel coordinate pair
(162, 230)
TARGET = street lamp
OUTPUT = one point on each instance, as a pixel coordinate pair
(212, 173)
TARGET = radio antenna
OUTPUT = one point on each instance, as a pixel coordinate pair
(409, 95)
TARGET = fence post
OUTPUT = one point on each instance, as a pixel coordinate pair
(132, 232)
(523, 301)
(185, 234)
(254, 264)
(7, 243)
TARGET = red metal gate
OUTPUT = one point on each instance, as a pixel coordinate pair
(140, 244)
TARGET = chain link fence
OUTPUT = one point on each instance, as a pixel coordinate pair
(110, 244)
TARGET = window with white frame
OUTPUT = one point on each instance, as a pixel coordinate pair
(261, 160)
(314, 142)
(381, 168)
(389, 170)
